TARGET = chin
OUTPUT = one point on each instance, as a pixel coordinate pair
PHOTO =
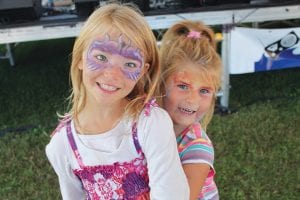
(183, 123)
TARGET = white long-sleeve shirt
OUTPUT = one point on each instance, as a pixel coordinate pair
(157, 139)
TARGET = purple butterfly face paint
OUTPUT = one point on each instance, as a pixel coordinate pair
(98, 57)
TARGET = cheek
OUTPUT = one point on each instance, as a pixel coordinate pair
(170, 108)
(170, 102)
(172, 96)
(171, 91)
(131, 84)
(134, 76)
(88, 76)
(204, 107)
(166, 103)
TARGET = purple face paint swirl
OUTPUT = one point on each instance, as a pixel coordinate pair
(96, 59)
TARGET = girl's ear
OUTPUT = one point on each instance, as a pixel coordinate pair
(146, 67)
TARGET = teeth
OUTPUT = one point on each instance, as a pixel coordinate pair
(187, 111)
(108, 87)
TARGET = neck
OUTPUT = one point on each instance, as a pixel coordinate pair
(178, 129)
(100, 119)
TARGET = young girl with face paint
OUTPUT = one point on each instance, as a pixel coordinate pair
(115, 143)
(191, 74)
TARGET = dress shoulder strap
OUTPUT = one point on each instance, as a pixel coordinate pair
(73, 144)
(147, 110)
(62, 123)
(151, 103)
(135, 138)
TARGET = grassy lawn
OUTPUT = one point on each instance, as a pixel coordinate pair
(257, 145)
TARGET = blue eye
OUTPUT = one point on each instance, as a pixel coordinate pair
(205, 92)
(101, 58)
(131, 65)
(182, 86)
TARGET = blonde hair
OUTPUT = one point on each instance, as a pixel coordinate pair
(129, 21)
(178, 45)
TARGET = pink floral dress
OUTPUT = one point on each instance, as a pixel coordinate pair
(120, 180)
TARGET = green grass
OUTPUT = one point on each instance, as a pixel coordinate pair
(32, 93)
(257, 146)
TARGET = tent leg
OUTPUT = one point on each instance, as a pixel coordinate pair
(8, 55)
(225, 53)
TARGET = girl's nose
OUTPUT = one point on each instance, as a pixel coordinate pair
(193, 97)
(113, 70)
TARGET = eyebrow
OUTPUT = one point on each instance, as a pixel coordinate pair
(182, 80)
(132, 53)
(108, 48)
(187, 82)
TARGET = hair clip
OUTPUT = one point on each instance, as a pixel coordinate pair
(194, 34)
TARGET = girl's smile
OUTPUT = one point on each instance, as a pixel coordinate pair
(186, 111)
(107, 88)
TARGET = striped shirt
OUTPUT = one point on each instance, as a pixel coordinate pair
(194, 146)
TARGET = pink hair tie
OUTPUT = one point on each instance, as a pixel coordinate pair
(194, 34)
